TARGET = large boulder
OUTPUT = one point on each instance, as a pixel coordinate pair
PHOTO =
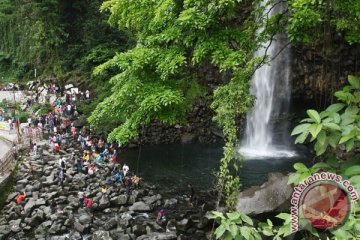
(140, 207)
(119, 200)
(85, 218)
(269, 197)
(29, 206)
(152, 199)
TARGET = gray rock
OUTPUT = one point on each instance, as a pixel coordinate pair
(152, 199)
(158, 236)
(85, 218)
(11, 197)
(139, 229)
(15, 225)
(110, 224)
(101, 235)
(4, 231)
(170, 203)
(79, 227)
(104, 203)
(118, 233)
(55, 228)
(40, 202)
(188, 138)
(182, 225)
(119, 200)
(266, 198)
(29, 206)
(140, 207)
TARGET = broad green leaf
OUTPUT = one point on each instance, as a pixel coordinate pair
(340, 234)
(334, 139)
(314, 115)
(335, 107)
(216, 214)
(346, 138)
(302, 137)
(219, 231)
(344, 96)
(234, 230)
(346, 119)
(352, 110)
(320, 148)
(233, 215)
(293, 178)
(267, 232)
(285, 230)
(284, 216)
(300, 128)
(353, 170)
(309, 120)
(336, 118)
(354, 81)
(321, 165)
(332, 126)
(300, 167)
(321, 137)
(355, 179)
(304, 176)
(349, 145)
(246, 219)
(314, 129)
(245, 231)
(327, 120)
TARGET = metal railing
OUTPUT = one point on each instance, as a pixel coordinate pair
(8, 161)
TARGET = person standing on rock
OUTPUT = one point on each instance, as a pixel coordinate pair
(125, 169)
(62, 163)
(57, 148)
(103, 191)
(161, 219)
(35, 149)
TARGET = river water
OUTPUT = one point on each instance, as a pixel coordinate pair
(173, 166)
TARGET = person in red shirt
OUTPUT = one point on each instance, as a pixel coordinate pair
(21, 199)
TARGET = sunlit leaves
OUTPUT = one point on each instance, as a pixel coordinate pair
(308, 18)
(338, 124)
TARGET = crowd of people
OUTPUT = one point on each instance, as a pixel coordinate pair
(59, 125)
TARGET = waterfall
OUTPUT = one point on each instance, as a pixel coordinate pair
(271, 86)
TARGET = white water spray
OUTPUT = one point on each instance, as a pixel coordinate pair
(271, 86)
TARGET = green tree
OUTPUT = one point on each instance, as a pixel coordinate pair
(315, 20)
(158, 78)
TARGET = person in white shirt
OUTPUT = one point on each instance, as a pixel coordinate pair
(125, 169)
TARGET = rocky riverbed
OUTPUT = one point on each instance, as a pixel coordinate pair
(117, 215)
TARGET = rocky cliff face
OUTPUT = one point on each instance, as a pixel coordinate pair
(199, 128)
(319, 71)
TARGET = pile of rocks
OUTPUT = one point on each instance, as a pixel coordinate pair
(117, 215)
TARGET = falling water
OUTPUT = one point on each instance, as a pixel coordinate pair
(271, 87)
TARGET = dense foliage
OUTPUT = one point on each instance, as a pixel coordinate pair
(55, 38)
(338, 125)
(159, 78)
(314, 21)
